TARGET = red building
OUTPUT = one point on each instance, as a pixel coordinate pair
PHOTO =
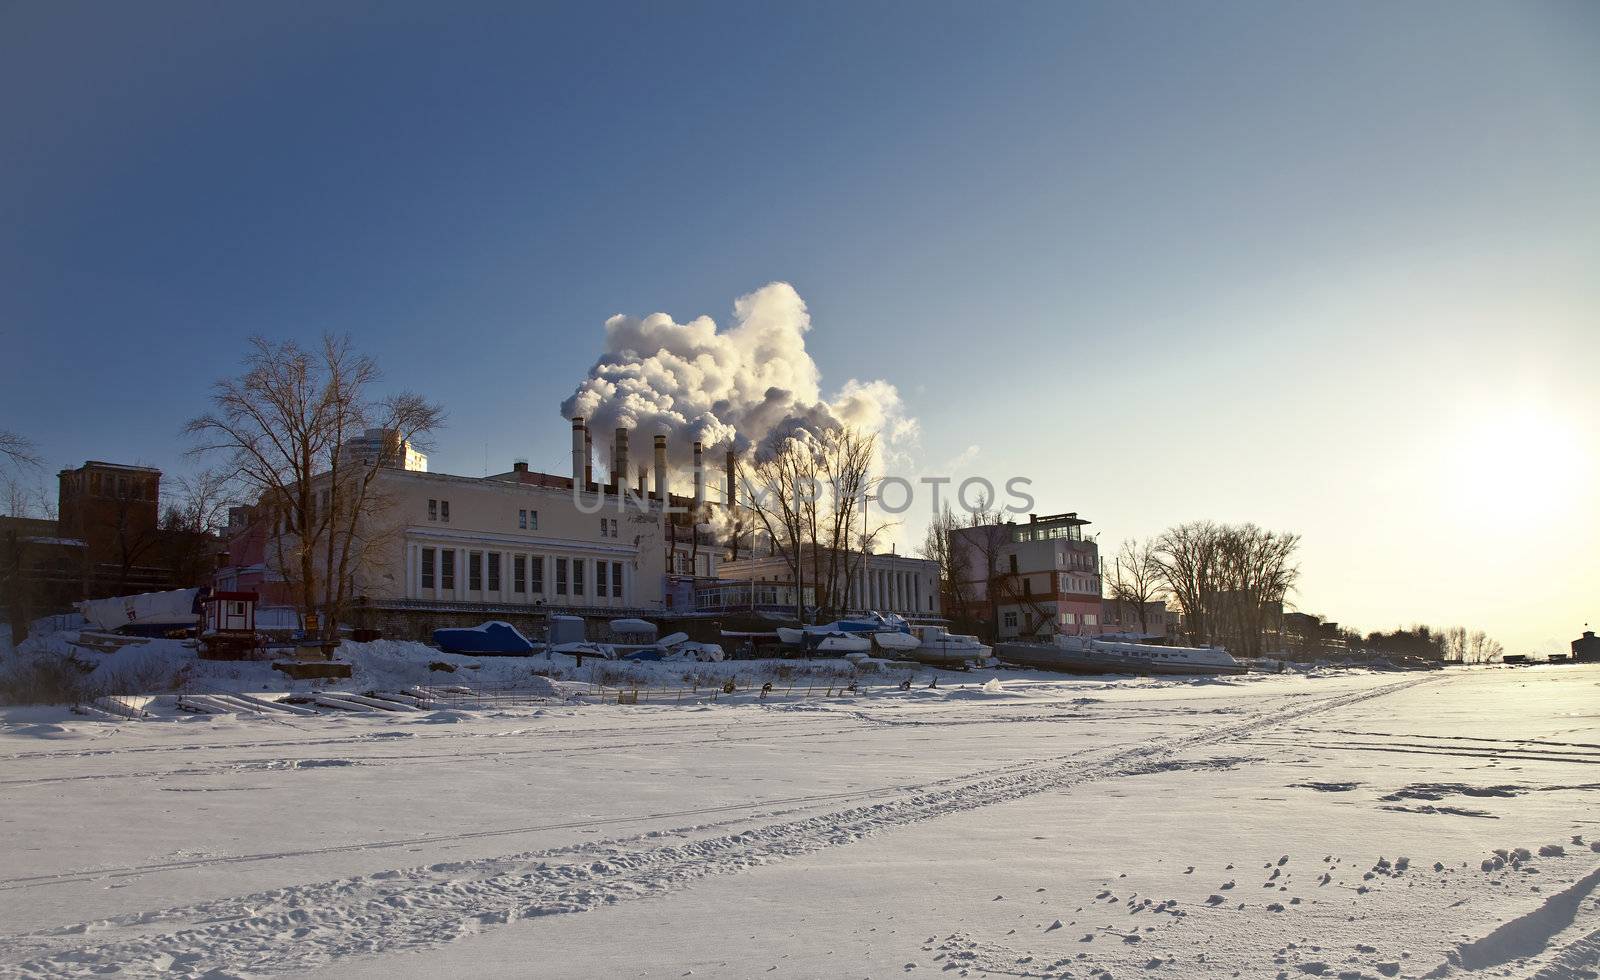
(114, 509)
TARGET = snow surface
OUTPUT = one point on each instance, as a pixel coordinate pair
(1002, 824)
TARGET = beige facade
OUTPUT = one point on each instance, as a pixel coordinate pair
(505, 543)
(885, 583)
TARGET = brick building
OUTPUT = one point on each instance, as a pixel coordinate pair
(114, 509)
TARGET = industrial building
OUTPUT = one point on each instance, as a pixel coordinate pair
(445, 550)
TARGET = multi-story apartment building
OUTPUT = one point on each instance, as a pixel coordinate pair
(385, 447)
(1031, 580)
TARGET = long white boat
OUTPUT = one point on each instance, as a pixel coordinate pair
(1086, 655)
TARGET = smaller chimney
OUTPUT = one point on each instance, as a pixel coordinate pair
(619, 460)
(580, 450)
(661, 467)
(519, 466)
(730, 492)
(699, 477)
(588, 458)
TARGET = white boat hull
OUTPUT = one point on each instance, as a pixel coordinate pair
(845, 643)
(898, 642)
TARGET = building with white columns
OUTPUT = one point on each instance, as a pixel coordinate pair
(881, 583)
(443, 550)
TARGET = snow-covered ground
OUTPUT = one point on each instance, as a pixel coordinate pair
(1340, 824)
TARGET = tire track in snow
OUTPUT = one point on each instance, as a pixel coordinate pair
(301, 927)
(788, 805)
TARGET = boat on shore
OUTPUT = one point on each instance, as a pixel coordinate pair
(889, 632)
(1084, 655)
(938, 647)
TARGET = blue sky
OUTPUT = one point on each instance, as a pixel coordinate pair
(1328, 267)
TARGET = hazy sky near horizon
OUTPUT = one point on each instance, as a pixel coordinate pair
(1333, 268)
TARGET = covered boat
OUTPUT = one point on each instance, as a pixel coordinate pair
(1084, 655)
(889, 632)
(493, 638)
(146, 614)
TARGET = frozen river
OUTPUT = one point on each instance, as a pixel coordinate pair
(1345, 824)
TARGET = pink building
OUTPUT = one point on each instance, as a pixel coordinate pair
(1035, 580)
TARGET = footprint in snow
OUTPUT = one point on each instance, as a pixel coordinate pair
(1053, 926)
(1215, 900)
(1226, 886)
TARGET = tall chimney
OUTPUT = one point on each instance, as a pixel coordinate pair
(619, 468)
(588, 458)
(699, 478)
(661, 467)
(730, 492)
(579, 445)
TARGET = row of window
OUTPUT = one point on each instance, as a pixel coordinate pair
(527, 520)
(118, 485)
(1009, 619)
(1072, 583)
(527, 573)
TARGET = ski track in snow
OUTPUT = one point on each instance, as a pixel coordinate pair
(301, 927)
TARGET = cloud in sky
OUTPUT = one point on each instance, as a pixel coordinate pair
(741, 386)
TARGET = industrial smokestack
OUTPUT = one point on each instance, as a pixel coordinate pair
(588, 458)
(619, 464)
(642, 474)
(579, 444)
(730, 492)
(661, 467)
(699, 477)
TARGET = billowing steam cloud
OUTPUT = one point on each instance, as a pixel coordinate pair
(740, 387)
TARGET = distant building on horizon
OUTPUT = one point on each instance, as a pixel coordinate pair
(1586, 648)
(386, 448)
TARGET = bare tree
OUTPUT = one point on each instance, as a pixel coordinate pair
(136, 532)
(18, 450)
(1186, 556)
(1227, 578)
(192, 520)
(1255, 576)
(1136, 579)
(1454, 639)
(18, 498)
(979, 549)
(281, 425)
(941, 545)
(1481, 648)
(806, 492)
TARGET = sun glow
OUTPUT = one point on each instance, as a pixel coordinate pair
(1520, 459)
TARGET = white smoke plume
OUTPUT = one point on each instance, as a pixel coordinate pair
(738, 387)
